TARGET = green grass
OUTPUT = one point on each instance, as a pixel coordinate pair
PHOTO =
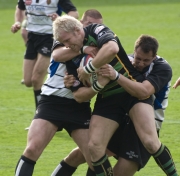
(129, 19)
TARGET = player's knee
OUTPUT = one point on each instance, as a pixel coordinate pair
(76, 157)
(32, 152)
(34, 80)
(95, 147)
(27, 83)
(151, 145)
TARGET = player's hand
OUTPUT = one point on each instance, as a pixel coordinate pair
(102, 80)
(69, 80)
(177, 83)
(107, 71)
(53, 16)
(15, 27)
(91, 50)
(83, 77)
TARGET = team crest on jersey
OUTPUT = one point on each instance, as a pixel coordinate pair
(76, 83)
(48, 2)
(28, 2)
(98, 29)
(101, 34)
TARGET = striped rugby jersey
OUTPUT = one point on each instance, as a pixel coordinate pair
(159, 73)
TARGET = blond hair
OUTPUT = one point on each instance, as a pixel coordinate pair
(65, 23)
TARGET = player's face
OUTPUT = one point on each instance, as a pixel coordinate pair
(73, 40)
(89, 20)
(141, 59)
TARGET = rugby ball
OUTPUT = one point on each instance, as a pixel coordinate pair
(84, 61)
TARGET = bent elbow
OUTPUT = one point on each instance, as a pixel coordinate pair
(143, 95)
(78, 99)
(55, 57)
(114, 49)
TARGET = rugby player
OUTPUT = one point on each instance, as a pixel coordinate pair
(113, 98)
(40, 39)
(56, 110)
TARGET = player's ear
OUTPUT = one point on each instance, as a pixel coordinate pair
(77, 30)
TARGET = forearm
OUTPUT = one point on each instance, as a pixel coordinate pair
(63, 54)
(105, 54)
(136, 89)
(75, 14)
(84, 94)
(19, 15)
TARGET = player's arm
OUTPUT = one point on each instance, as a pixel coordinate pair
(63, 54)
(69, 8)
(105, 54)
(84, 94)
(136, 89)
(75, 14)
(177, 83)
(18, 18)
(81, 93)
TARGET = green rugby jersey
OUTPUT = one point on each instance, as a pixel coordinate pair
(97, 35)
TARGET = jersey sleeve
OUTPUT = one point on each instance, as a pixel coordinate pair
(160, 75)
(67, 6)
(55, 45)
(72, 66)
(21, 5)
(101, 34)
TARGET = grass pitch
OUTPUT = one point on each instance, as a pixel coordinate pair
(128, 19)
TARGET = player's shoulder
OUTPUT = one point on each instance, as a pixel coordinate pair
(56, 44)
(160, 61)
(96, 28)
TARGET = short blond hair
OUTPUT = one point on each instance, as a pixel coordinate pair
(65, 23)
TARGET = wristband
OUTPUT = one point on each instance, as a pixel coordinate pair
(117, 76)
(89, 68)
(82, 49)
(96, 87)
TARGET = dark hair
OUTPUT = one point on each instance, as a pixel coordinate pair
(147, 43)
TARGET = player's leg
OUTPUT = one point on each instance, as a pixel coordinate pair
(24, 35)
(125, 167)
(100, 132)
(70, 163)
(78, 117)
(142, 115)
(40, 71)
(39, 135)
(38, 75)
(128, 148)
(28, 66)
(30, 58)
(81, 138)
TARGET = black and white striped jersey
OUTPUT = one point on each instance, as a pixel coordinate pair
(54, 84)
(38, 11)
